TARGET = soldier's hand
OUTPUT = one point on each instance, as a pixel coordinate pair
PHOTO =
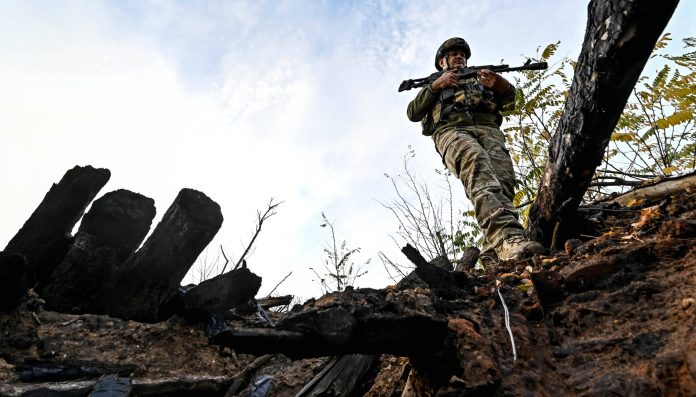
(487, 78)
(493, 81)
(448, 79)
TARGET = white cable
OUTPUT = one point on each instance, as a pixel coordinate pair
(507, 325)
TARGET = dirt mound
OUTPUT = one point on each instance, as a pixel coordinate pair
(613, 314)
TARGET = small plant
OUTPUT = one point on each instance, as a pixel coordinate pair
(428, 219)
(339, 271)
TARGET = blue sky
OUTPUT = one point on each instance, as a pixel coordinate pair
(246, 101)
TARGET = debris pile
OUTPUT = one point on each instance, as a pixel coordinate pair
(614, 312)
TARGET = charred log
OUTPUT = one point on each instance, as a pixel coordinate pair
(45, 237)
(275, 301)
(111, 231)
(188, 386)
(120, 220)
(446, 284)
(340, 377)
(79, 283)
(362, 321)
(242, 378)
(58, 371)
(151, 276)
(220, 294)
(619, 38)
(657, 190)
(15, 279)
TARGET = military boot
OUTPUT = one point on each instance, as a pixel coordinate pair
(518, 246)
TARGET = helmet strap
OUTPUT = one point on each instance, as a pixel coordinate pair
(444, 58)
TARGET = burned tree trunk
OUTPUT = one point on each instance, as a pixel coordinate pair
(619, 38)
(151, 276)
(109, 233)
(46, 235)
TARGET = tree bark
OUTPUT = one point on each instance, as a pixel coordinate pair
(468, 260)
(151, 276)
(46, 235)
(619, 38)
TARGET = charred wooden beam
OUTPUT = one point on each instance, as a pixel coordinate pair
(110, 232)
(80, 282)
(15, 279)
(275, 301)
(242, 378)
(151, 276)
(220, 293)
(446, 284)
(340, 377)
(362, 321)
(166, 387)
(46, 235)
(120, 219)
(58, 371)
(619, 38)
(416, 335)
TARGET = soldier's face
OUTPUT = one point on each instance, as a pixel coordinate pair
(456, 58)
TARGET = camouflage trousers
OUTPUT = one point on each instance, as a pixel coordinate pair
(478, 157)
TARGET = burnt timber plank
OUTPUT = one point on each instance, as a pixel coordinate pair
(46, 235)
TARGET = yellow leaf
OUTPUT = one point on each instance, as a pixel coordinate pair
(633, 202)
(675, 119)
(623, 136)
(669, 170)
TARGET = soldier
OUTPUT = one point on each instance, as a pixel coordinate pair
(465, 128)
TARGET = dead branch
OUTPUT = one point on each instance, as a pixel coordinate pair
(261, 218)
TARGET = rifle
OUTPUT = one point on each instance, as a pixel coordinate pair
(468, 72)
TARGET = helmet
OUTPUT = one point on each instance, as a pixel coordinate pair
(454, 42)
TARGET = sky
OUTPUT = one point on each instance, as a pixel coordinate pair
(249, 101)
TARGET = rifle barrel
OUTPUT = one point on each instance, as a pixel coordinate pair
(421, 82)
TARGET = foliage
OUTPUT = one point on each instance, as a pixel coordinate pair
(529, 126)
(431, 222)
(656, 134)
(339, 271)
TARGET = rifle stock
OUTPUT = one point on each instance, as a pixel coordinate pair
(467, 72)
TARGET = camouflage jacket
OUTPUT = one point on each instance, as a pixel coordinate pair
(479, 106)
